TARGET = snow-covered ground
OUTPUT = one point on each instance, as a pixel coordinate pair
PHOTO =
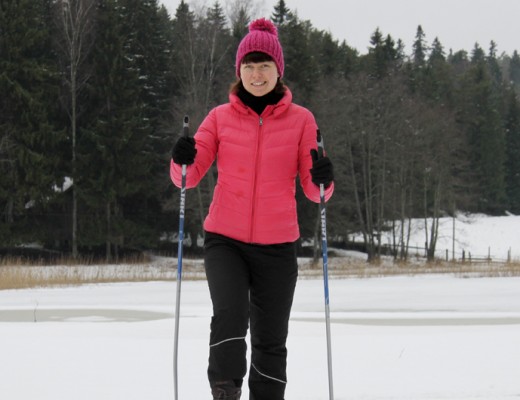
(477, 235)
(424, 337)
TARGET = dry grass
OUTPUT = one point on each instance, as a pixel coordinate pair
(33, 276)
(339, 267)
(20, 276)
(12, 261)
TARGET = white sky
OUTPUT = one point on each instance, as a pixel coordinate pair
(458, 24)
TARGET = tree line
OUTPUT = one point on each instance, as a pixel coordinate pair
(93, 94)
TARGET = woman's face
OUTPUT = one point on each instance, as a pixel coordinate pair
(259, 78)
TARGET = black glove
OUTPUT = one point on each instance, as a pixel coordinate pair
(322, 171)
(183, 152)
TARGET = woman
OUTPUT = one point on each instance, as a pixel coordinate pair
(261, 141)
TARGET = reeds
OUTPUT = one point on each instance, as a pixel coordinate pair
(18, 275)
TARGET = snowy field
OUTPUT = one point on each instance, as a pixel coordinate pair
(477, 235)
(424, 337)
(403, 338)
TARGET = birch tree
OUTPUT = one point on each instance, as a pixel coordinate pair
(76, 21)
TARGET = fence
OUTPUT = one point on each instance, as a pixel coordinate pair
(465, 256)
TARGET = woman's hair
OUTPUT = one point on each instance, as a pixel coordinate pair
(257, 57)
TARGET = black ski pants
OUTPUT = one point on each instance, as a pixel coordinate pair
(250, 285)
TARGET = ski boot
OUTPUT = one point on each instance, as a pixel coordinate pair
(225, 391)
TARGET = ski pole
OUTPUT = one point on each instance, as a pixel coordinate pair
(185, 132)
(323, 216)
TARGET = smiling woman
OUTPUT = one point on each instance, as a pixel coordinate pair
(261, 142)
(258, 78)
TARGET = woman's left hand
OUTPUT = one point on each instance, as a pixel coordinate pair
(322, 171)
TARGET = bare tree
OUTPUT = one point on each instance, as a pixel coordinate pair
(441, 160)
(75, 22)
(241, 12)
(204, 61)
(395, 155)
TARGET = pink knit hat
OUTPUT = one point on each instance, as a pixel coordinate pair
(262, 37)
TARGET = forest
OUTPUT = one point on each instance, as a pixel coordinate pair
(94, 92)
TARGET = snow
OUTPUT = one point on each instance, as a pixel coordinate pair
(477, 235)
(67, 183)
(422, 337)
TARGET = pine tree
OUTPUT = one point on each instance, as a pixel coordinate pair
(148, 47)
(114, 163)
(219, 56)
(477, 54)
(513, 153)
(514, 71)
(301, 66)
(383, 56)
(240, 13)
(148, 44)
(349, 59)
(438, 76)
(419, 48)
(480, 114)
(373, 62)
(185, 60)
(28, 137)
(418, 63)
(281, 14)
(328, 54)
(494, 68)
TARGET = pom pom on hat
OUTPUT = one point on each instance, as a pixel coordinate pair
(262, 37)
(263, 24)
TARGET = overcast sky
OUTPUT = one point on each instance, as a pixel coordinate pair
(458, 24)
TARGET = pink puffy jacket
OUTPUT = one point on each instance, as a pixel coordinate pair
(258, 158)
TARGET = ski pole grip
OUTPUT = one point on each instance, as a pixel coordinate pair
(186, 126)
(319, 139)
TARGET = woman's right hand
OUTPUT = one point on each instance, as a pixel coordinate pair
(184, 151)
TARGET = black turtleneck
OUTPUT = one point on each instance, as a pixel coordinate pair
(258, 103)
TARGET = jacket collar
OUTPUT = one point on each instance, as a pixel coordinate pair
(275, 109)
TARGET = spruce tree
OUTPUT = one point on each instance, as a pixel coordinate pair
(514, 71)
(419, 48)
(383, 55)
(28, 137)
(239, 18)
(185, 60)
(418, 62)
(438, 76)
(301, 66)
(513, 153)
(480, 114)
(114, 162)
(220, 56)
(493, 66)
(281, 13)
(148, 47)
(327, 53)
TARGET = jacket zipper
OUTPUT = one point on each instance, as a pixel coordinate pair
(257, 164)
